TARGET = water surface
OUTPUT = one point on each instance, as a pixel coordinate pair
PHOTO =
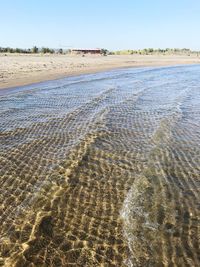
(102, 170)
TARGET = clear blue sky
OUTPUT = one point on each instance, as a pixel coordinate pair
(112, 24)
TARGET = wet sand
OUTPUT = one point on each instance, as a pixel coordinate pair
(102, 170)
(18, 70)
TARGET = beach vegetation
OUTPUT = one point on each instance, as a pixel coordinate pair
(35, 50)
(152, 51)
(60, 51)
(104, 52)
(46, 50)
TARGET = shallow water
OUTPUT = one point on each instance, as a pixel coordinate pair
(102, 170)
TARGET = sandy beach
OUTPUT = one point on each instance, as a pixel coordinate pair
(22, 69)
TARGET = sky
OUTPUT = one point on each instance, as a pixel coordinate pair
(111, 24)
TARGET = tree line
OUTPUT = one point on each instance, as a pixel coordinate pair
(43, 50)
(149, 51)
(145, 51)
(33, 50)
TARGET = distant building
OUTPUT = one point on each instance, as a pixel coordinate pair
(96, 51)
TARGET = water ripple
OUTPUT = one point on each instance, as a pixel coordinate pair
(102, 170)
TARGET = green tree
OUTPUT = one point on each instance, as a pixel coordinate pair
(104, 52)
(45, 50)
(18, 50)
(150, 50)
(60, 51)
(34, 49)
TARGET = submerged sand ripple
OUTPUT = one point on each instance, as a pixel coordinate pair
(102, 170)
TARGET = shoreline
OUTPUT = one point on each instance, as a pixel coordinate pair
(24, 70)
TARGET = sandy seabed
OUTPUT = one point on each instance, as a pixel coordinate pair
(102, 170)
(18, 70)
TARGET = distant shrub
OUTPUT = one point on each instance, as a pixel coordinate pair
(60, 51)
(46, 50)
(104, 52)
(35, 50)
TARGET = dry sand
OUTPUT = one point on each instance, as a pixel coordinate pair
(19, 69)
